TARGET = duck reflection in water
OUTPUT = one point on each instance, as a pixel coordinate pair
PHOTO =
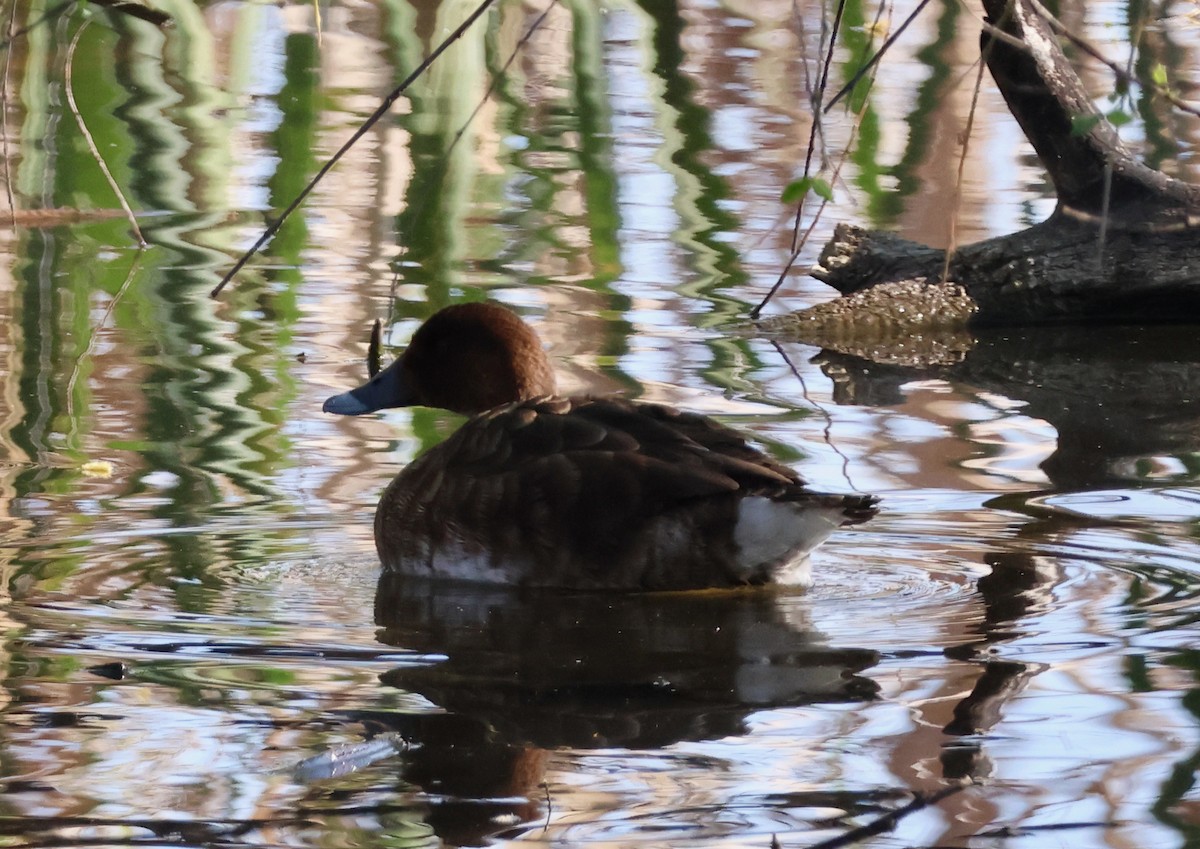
(541, 490)
(528, 672)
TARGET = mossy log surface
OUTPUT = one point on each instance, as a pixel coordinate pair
(907, 322)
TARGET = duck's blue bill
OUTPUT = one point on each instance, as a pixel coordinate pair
(386, 389)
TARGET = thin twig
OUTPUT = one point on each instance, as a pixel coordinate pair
(1105, 202)
(1120, 73)
(799, 246)
(8, 191)
(993, 31)
(379, 112)
(962, 165)
(801, 37)
(791, 261)
(52, 12)
(91, 345)
(87, 137)
(815, 127)
(496, 77)
(828, 430)
(862, 72)
(888, 821)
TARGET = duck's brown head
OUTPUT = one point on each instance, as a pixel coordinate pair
(466, 358)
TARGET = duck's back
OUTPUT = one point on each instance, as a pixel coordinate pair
(583, 492)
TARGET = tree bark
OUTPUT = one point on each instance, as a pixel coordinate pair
(1121, 246)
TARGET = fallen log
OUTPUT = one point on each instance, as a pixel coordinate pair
(1121, 246)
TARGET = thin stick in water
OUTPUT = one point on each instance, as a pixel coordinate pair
(87, 137)
(889, 820)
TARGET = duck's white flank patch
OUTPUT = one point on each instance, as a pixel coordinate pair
(455, 561)
(779, 535)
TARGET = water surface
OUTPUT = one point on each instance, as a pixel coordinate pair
(197, 645)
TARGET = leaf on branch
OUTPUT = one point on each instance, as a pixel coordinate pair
(797, 190)
(1119, 117)
(822, 189)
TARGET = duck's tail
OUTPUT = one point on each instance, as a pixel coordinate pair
(854, 508)
(858, 508)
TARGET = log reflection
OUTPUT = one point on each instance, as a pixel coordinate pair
(1115, 395)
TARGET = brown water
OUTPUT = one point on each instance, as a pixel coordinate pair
(196, 646)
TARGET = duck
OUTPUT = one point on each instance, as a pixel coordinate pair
(536, 489)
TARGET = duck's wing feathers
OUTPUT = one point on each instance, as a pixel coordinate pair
(600, 448)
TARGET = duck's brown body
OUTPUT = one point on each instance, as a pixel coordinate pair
(580, 492)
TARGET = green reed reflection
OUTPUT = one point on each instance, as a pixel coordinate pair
(885, 203)
(715, 264)
(126, 354)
